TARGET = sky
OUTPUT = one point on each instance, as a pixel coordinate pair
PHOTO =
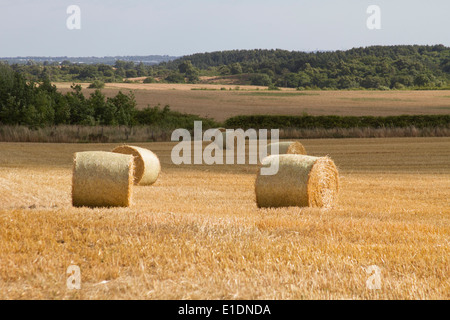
(182, 27)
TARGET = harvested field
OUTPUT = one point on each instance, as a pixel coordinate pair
(222, 104)
(198, 234)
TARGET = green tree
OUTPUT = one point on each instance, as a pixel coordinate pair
(304, 80)
(189, 71)
(236, 68)
(373, 82)
(124, 64)
(81, 112)
(125, 108)
(175, 77)
(421, 80)
(131, 73)
(87, 72)
(185, 66)
(141, 70)
(192, 75)
(120, 72)
(260, 79)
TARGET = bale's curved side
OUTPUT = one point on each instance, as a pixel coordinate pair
(102, 179)
(147, 165)
(302, 181)
(287, 147)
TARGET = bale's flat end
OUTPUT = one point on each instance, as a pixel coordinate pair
(323, 183)
(147, 165)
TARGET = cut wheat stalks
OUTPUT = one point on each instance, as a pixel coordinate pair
(287, 147)
(146, 164)
(102, 179)
(302, 181)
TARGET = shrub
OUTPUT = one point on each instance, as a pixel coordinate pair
(175, 77)
(149, 80)
(165, 118)
(97, 84)
(273, 87)
(331, 122)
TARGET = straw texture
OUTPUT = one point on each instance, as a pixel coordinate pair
(102, 179)
(287, 147)
(146, 163)
(302, 181)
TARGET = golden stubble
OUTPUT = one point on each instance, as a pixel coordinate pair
(198, 234)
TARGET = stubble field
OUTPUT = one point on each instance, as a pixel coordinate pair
(198, 234)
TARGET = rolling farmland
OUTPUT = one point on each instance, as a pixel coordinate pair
(210, 101)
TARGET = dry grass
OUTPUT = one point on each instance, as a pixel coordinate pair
(221, 105)
(120, 134)
(197, 233)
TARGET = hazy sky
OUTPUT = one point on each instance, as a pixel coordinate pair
(179, 27)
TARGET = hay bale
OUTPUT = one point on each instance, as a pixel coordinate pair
(102, 179)
(287, 147)
(146, 164)
(302, 181)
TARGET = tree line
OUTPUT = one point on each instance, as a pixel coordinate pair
(39, 104)
(68, 71)
(376, 67)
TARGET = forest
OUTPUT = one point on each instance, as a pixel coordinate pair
(376, 67)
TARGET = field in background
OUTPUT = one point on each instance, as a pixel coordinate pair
(197, 233)
(209, 101)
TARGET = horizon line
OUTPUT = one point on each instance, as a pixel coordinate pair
(189, 54)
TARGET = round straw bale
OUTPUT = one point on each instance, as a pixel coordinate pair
(302, 181)
(102, 179)
(146, 164)
(287, 147)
